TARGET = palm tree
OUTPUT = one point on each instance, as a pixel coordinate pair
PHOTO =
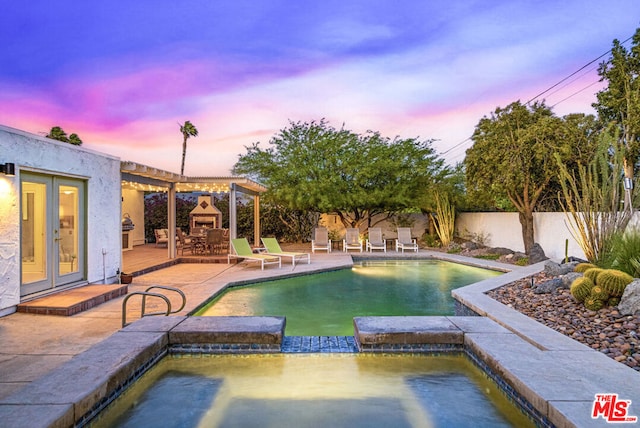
(187, 130)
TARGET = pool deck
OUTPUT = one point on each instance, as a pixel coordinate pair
(53, 369)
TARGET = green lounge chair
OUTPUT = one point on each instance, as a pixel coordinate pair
(243, 250)
(273, 248)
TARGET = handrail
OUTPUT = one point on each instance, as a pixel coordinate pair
(163, 287)
(144, 294)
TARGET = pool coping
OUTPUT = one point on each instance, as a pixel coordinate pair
(556, 374)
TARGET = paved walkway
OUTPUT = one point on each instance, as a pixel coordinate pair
(33, 345)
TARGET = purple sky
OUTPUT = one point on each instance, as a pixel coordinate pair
(124, 74)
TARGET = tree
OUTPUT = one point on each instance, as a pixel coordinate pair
(619, 102)
(313, 167)
(187, 130)
(57, 133)
(513, 155)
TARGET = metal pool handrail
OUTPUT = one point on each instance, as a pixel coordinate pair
(144, 295)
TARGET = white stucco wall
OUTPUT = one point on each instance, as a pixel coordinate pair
(31, 152)
(504, 230)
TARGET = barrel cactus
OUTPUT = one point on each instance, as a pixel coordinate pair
(614, 281)
(613, 301)
(581, 267)
(593, 304)
(593, 274)
(581, 288)
(599, 293)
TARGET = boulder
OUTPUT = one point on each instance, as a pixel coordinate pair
(500, 251)
(549, 286)
(630, 300)
(536, 254)
(557, 269)
(568, 279)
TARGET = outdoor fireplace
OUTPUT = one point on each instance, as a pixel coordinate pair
(205, 214)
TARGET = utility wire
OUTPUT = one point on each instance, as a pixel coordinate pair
(574, 73)
(550, 88)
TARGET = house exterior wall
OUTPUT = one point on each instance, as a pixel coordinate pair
(34, 153)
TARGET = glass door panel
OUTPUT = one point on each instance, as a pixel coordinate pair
(34, 232)
(68, 247)
(68, 232)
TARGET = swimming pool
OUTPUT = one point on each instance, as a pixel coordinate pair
(314, 390)
(324, 304)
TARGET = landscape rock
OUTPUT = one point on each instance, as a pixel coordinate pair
(557, 269)
(630, 300)
(536, 254)
(501, 251)
(469, 245)
(568, 279)
(548, 286)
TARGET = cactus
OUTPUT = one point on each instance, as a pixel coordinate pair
(581, 267)
(613, 301)
(593, 304)
(581, 288)
(597, 292)
(614, 281)
(593, 274)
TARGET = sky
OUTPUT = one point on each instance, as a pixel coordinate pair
(124, 75)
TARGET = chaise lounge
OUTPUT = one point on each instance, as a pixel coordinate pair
(273, 248)
(242, 250)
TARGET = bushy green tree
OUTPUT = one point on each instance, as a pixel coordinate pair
(513, 157)
(313, 167)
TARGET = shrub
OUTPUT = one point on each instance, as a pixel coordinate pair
(624, 254)
(488, 256)
(523, 261)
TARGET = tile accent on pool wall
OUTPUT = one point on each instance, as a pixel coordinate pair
(306, 344)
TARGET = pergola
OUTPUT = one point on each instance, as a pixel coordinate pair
(146, 178)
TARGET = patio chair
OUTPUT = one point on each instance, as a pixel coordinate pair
(213, 242)
(185, 243)
(273, 248)
(162, 236)
(352, 240)
(375, 241)
(321, 241)
(404, 241)
(242, 250)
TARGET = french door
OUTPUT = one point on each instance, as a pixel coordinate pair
(53, 219)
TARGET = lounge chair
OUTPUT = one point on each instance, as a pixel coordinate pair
(321, 241)
(375, 241)
(242, 250)
(404, 241)
(352, 240)
(273, 248)
(162, 236)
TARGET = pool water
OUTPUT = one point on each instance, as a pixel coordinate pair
(314, 390)
(324, 304)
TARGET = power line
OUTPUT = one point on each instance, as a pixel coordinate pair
(575, 72)
(575, 93)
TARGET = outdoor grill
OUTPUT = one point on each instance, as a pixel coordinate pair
(127, 223)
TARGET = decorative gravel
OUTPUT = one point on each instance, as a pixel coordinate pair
(606, 330)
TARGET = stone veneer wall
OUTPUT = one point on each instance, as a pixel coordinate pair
(34, 153)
